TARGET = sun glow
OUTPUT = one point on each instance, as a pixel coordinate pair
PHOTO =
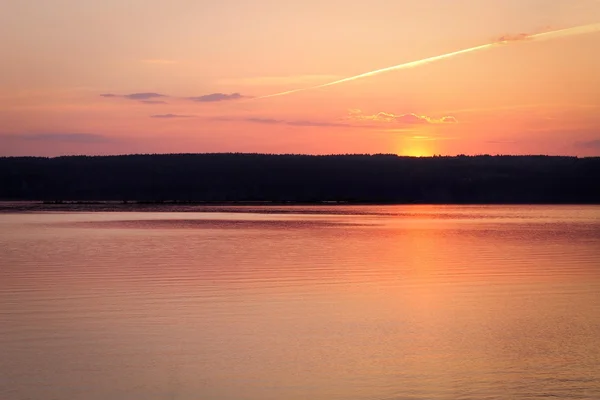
(416, 147)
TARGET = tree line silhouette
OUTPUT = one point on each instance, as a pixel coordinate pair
(236, 177)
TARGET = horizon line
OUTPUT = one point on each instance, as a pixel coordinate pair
(301, 155)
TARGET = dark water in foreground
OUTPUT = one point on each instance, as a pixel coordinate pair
(394, 302)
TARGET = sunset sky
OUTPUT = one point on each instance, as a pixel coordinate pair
(158, 76)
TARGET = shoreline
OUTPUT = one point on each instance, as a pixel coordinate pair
(20, 206)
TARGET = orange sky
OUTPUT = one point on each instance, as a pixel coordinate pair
(208, 60)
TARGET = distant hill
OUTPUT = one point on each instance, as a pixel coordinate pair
(302, 178)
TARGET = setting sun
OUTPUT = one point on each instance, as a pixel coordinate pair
(416, 146)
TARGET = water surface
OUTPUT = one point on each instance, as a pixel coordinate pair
(340, 302)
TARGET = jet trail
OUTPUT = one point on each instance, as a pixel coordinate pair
(539, 36)
(578, 30)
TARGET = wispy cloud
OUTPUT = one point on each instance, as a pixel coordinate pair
(356, 120)
(151, 97)
(513, 37)
(143, 97)
(589, 144)
(278, 80)
(153, 102)
(274, 121)
(159, 61)
(168, 116)
(216, 97)
(61, 137)
(501, 141)
(541, 106)
(425, 138)
(402, 119)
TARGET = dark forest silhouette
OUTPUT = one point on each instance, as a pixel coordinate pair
(302, 178)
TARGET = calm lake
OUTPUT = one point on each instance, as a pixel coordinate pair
(301, 303)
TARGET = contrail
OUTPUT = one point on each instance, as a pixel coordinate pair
(578, 30)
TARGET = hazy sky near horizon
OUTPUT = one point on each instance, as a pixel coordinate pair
(157, 76)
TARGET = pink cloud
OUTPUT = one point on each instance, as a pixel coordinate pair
(402, 119)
